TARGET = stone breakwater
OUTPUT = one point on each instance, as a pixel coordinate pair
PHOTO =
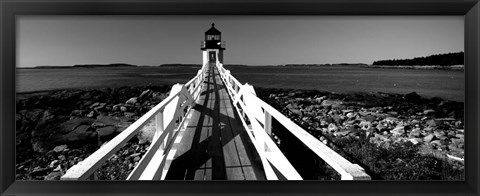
(432, 125)
(57, 129)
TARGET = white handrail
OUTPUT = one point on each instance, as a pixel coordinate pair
(258, 112)
(181, 96)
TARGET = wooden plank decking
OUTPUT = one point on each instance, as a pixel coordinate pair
(214, 145)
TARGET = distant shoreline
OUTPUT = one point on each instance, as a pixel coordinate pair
(424, 67)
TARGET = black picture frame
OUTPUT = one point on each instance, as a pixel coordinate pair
(9, 9)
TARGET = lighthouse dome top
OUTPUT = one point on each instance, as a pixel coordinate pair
(212, 30)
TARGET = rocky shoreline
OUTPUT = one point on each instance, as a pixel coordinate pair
(371, 129)
(390, 135)
(59, 128)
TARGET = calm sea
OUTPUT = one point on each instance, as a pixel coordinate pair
(446, 84)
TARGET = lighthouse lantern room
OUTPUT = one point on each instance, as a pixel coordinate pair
(213, 46)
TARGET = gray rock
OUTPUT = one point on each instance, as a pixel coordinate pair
(58, 168)
(370, 118)
(413, 96)
(129, 114)
(136, 159)
(123, 108)
(77, 113)
(94, 105)
(53, 176)
(131, 101)
(436, 143)
(332, 128)
(399, 130)
(417, 132)
(54, 164)
(341, 133)
(108, 120)
(460, 135)
(459, 124)
(439, 133)
(91, 114)
(415, 140)
(60, 148)
(80, 134)
(431, 123)
(330, 102)
(62, 158)
(106, 131)
(350, 115)
(429, 111)
(429, 138)
(365, 125)
(381, 127)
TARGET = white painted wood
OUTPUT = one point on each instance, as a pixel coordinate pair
(268, 123)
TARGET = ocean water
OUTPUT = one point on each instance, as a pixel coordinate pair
(447, 84)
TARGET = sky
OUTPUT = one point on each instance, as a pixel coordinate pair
(250, 40)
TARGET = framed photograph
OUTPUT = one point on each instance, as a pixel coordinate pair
(183, 98)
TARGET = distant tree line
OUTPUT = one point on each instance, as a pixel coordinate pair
(336, 64)
(437, 59)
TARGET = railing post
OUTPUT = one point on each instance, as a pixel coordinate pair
(159, 127)
(268, 123)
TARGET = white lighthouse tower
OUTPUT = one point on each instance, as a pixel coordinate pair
(213, 46)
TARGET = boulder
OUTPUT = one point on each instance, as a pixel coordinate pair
(53, 175)
(54, 164)
(108, 120)
(365, 125)
(131, 101)
(341, 133)
(338, 119)
(429, 112)
(92, 114)
(429, 137)
(330, 102)
(381, 127)
(81, 134)
(415, 140)
(123, 108)
(399, 130)
(370, 118)
(413, 97)
(417, 132)
(332, 128)
(60, 148)
(146, 134)
(350, 115)
(77, 113)
(106, 131)
(431, 123)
